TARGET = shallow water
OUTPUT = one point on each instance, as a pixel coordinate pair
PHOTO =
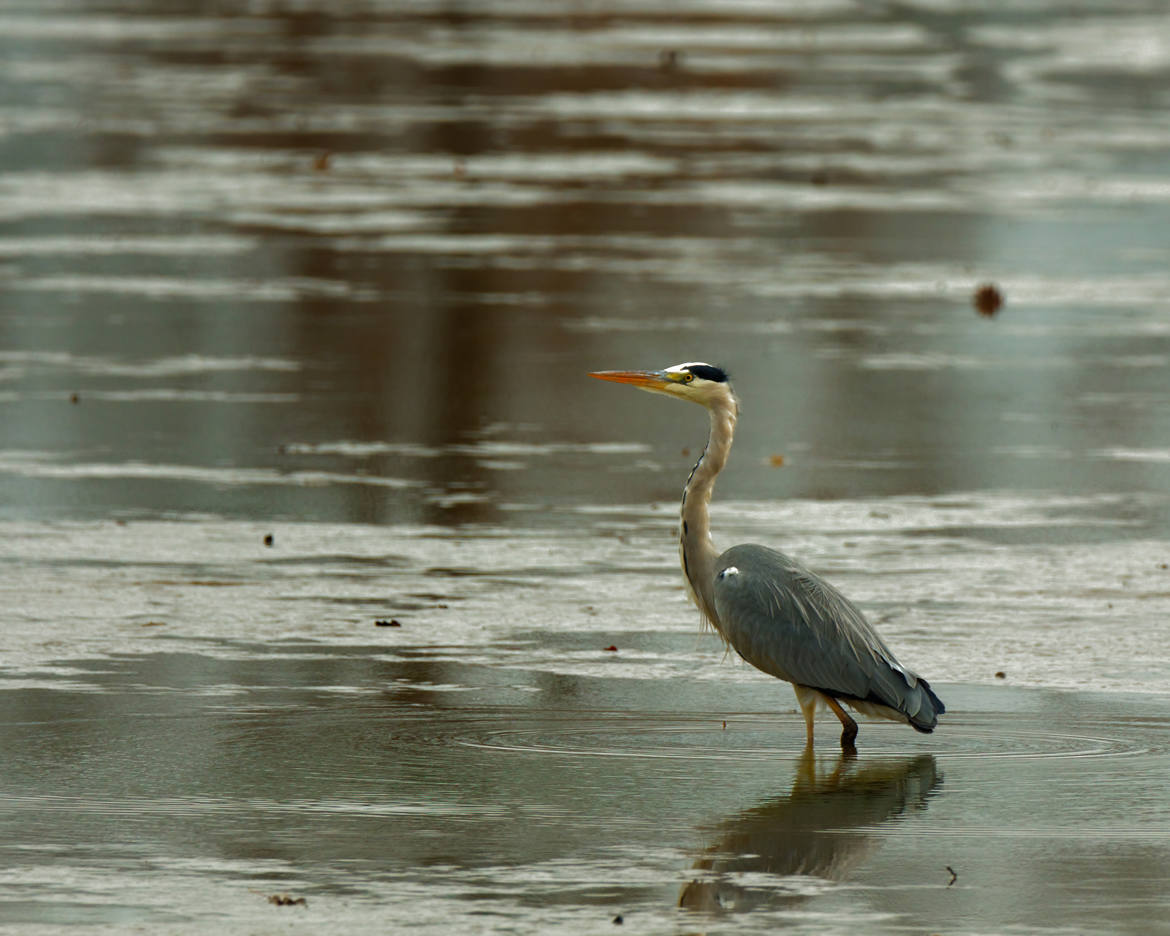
(296, 303)
(175, 790)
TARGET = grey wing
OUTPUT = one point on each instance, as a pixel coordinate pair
(791, 623)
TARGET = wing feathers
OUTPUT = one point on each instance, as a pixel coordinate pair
(789, 622)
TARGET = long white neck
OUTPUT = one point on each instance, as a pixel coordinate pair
(696, 550)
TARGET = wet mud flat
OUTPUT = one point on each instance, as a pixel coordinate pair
(173, 791)
(521, 728)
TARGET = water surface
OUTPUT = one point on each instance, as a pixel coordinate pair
(315, 535)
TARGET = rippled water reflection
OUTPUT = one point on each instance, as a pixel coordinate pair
(296, 302)
(180, 789)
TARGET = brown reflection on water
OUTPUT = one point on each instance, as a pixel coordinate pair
(441, 218)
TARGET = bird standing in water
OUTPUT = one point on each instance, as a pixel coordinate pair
(782, 618)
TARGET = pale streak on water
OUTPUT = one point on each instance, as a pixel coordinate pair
(332, 274)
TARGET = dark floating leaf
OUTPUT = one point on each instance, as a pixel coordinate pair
(611, 648)
(393, 622)
(987, 300)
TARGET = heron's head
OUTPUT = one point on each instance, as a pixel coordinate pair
(700, 383)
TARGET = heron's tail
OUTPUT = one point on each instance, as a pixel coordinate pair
(923, 707)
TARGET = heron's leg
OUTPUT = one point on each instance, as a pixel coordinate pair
(850, 733)
(807, 699)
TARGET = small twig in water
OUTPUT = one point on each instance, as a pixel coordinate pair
(954, 875)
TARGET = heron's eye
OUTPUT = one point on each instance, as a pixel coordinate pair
(687, 378)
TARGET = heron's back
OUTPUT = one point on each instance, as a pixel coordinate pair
(789, 622)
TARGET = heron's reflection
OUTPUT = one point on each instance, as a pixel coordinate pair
(816, 830)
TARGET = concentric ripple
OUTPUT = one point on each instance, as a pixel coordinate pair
(760, 738)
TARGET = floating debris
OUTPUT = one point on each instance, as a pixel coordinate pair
(393, 622)
(954, 875)
(776, 461)
(618, 921)
(321, 161)
(610, 649)
(287, 900)
(987, 300)
(268, 540)
(74, 398)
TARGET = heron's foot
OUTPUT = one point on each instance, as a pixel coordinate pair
(848, 725)
(848, 748)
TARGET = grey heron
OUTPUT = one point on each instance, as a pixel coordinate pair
(778, 615)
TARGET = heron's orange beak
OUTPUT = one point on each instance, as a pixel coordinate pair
(647, 380)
